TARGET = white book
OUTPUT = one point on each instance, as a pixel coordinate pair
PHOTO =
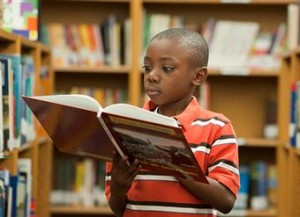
(25, 175)
(231, 44)
(293, 25)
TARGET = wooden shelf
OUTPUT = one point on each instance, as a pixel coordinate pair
(100, 69)
(252, 213)
(247, 72)
(27, 44)
(103, 1)
(242, 100)
(265, 213)
(80, 210)
(17, 45)
(44, 48)
(297, 152)
(258, 142)
(269, 2)
(25, 147)
(5, 36)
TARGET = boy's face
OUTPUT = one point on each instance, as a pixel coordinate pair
(168, 74)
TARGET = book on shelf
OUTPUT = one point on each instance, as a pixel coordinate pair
(20, 17)
(2, 198)
(79, 125)
(16, 72)
(1, 108)
(24, 186)
(293, 25)
(5, 176)
(259, 185)
(7, 103)
(244, 192)
(231, 43)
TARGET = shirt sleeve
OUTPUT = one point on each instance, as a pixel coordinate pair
(224, 159)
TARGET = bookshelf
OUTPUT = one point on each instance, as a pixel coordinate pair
(38, 148)
(240, 96)
(290, 155)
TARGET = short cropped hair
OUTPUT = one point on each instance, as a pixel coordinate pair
(190, 40)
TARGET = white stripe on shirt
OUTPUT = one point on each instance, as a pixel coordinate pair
(225, 141)
(207, 122)
(150, 177)
(226, 166)
(172, 209)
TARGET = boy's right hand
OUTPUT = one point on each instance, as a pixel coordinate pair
(122, 174)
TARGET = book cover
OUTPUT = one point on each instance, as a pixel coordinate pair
(7, 103)
(1, 108)
(21, 17)
(5, 176)
(13, 179)
(78, 124)
(24, 186)
(258, 185)
(2, 198)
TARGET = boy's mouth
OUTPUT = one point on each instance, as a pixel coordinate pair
(153, 91)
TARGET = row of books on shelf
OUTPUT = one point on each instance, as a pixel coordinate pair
(105, 96)
(17, 78)
(93, 44)
(16, 197)
(78, 182)
(234, 45)
(258, 186)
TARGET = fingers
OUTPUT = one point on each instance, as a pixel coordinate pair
(118, 160)
(122, 164)
(134, 167)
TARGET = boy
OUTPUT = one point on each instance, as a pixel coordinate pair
(175, 63)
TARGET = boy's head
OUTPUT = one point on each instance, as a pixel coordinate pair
(174, 64)
(189, 40)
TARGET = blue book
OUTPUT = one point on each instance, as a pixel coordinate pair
(259, 185)
(243, 194)
(14, 184)
(293, 112)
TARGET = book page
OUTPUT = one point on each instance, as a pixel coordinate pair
(159, 147)
(74, 100)
(135, 112)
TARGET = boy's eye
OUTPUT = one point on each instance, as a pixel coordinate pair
(168, 68)
(147, 68)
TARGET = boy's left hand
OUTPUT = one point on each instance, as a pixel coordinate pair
(122, 174)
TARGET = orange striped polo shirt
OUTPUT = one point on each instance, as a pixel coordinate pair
(213, 141)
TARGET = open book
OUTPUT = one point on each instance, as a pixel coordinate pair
(77, 124)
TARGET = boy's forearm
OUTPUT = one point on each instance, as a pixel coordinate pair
(211, 193)
(117, 203)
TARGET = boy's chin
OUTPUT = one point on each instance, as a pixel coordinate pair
(156, 101)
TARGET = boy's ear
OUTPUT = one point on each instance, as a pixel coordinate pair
(200, 76)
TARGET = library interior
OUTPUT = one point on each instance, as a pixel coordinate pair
(96, 48)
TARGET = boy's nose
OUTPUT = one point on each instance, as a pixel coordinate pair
(153, 76)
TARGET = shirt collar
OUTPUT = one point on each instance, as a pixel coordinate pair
(185, 118)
